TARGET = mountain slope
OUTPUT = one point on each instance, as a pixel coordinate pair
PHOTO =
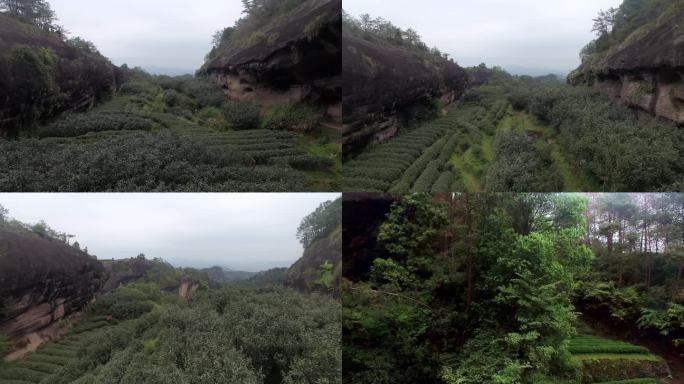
(320, 267)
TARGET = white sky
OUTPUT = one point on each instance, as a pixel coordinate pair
(170, 34)
(249, 232)
(521, 35)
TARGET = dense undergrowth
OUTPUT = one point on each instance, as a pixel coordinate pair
(523, 134)
(517, 288)
(172, 134)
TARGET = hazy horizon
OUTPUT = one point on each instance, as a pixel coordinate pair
(241, 231)
(164, 37)
(524, 37)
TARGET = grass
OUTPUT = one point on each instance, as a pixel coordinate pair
(325, 147)
(593, 351)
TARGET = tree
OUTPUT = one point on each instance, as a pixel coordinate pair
(604, 22)
(37, 12)
(3, 214)
(319, 223)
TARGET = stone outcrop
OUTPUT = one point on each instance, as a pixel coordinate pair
(645, 73)
(187, 287)
(380, 82)
(295, 60)
(41, 282)
(320, 267)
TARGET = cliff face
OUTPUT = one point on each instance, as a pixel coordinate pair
(362, 216)
(41, 281)
(320, 267)
(380, 81)
(296, 59)
(644, 72)
(41, 76)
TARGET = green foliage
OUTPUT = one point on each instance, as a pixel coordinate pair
(326, 275)
(319, 223)
(617, 304)
(4, 344)
(127, 302)
(291, 117)
(242, 115)
(134, 161)
(382, 31)
(520, 166)
(606, 140)
(666, 321)
(226, 335)
(82, 123)
(419, 318)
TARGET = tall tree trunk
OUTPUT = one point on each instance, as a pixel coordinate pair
(469, 250)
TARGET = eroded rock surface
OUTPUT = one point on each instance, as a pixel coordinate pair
(294, 60)
(41, 282)
(645, 73)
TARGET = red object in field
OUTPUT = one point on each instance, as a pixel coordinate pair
(109, 318)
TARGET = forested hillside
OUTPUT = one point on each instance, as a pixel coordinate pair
(121, 129)
(515, 288)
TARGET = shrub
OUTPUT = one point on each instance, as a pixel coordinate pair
(171, 97)
(292, 117)
(242, 115)
(82, 123)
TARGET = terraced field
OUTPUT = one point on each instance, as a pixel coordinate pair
(45, 363)
(419, 160)
(456, 152)
(173, 154)
(610, 361)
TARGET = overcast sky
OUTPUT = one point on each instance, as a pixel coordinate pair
(250, 232)
(543, 35)
(171, 34)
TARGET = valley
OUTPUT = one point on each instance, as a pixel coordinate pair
(67, 317)
(248, 120)
(613, 125)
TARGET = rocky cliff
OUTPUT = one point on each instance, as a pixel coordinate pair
(320, 267)
(362, 216)
(646, 71)
(293, 58)
(381, 81)
(41, 282)
(41, 75)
